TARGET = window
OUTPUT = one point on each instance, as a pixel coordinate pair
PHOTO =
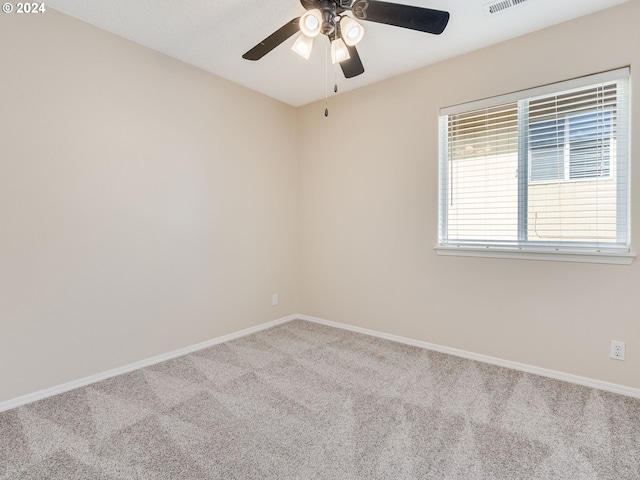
(545, 170)
(571, 145)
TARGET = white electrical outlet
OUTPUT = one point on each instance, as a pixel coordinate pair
(617, 350)
(274, 299)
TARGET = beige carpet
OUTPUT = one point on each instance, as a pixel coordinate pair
(305, 401)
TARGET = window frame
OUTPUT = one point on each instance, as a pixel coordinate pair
(590, 252)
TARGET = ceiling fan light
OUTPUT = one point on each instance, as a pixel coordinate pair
(311, 22)
(352, 32)
(339, 51)
(302, 46)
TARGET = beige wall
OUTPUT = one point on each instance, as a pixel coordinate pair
(369, 214)
(145, 205)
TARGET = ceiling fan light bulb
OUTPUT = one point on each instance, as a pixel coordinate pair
(339, 51)
(311, 22)
(352, 31)
(302, 46)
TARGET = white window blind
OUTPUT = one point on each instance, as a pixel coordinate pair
(545, 168)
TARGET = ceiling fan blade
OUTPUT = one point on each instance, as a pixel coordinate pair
(273, 40)
(405, 16)
(352, 67)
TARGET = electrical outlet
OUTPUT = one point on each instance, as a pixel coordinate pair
(617, 350)
(274, 299)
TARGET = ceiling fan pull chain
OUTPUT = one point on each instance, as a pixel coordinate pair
(335, 65)
(326, 80)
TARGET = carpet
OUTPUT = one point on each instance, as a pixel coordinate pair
(307, 401)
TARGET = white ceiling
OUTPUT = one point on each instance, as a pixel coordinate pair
(213, 35)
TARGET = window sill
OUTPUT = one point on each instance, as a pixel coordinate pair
(614, 258)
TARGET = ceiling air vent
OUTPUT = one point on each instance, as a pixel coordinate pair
(500, 6)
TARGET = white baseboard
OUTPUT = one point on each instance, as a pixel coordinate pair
(48, 392)
(588, 382)
(566, 377)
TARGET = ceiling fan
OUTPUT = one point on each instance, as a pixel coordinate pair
(329, 18)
